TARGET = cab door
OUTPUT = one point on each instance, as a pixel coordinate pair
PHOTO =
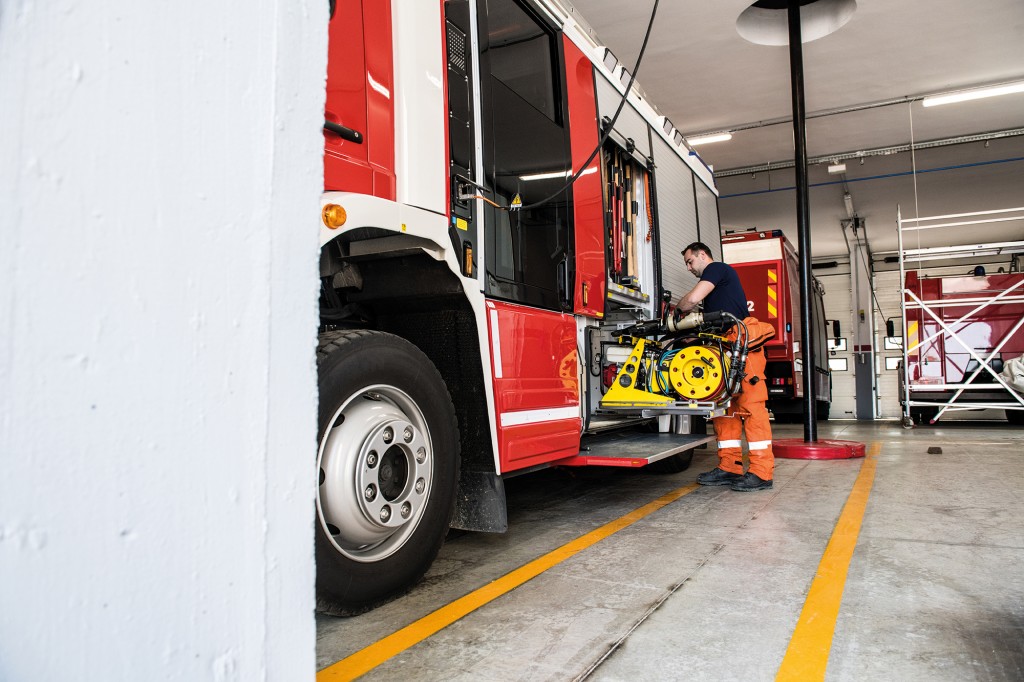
(528, 256)
(359, 111)
(526, 157)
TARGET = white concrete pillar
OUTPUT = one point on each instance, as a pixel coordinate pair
(160, 168)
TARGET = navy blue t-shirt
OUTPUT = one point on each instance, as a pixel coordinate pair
(728, 295)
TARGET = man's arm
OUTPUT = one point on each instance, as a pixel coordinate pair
(697, 294)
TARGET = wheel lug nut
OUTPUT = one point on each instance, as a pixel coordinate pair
(406, 510)
(385, 513)
(371, 459)
(389, 435)
(421, 455)
(370, 493)
(420, 485)
(408, 434)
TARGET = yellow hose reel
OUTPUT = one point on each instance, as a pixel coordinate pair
(697, 373)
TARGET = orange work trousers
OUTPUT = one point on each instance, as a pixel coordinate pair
(747, 412)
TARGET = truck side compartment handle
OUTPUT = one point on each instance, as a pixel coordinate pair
(343, 132)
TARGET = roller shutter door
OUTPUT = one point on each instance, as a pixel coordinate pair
(838, 306)
(630, 124)
(707, 213)
(677, 217)
(887, 291)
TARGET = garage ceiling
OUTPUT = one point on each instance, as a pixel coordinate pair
(704, 76)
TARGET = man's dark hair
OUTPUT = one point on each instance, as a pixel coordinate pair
(699, 246)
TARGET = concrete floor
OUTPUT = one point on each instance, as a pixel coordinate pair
(711, 586)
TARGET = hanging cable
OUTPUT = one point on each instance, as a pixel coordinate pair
(611, 123)
(913, 166)
(878, 307)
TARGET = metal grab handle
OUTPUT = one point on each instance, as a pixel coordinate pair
(343, 132)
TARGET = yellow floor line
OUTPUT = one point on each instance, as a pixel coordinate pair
(807, 655)
(369, 658)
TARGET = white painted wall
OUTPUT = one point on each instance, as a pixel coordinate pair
(160, 173)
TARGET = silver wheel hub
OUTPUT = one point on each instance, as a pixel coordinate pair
(376, 469)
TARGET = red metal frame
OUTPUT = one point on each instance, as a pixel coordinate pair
(942, 362)
(588, 216)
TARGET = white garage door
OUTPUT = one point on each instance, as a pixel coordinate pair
(838, 306)
(887, 351)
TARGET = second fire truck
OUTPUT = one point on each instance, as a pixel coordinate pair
(768, 268)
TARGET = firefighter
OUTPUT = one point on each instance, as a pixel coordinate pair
(720, 290)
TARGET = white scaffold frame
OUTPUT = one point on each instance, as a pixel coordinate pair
(910, 301)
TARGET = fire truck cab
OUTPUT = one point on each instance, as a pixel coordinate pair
(470, 292)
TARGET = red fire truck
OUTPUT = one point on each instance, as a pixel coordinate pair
(471, 294)
(960, 331)
(769, 271)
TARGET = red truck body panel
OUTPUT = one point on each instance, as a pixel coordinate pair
(360, 83)
(943, 360)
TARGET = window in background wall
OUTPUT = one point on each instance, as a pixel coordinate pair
(838, 364)
(893, 363)
(836, 344)
(893, 342)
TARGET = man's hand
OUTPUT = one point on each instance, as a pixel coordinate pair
(692, 298)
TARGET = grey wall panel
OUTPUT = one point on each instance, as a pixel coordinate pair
(630, 123)
(707, 210)
(677, 217)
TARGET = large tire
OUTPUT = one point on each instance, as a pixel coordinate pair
(388, 465)
(1015, 417)
(823, 410)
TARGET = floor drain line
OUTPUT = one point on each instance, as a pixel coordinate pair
(647, 614)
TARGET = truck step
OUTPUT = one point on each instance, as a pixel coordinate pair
(632, 448)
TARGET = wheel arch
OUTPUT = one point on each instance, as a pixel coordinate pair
(401, 286)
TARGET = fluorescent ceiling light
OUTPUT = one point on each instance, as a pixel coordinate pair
(977, 93)
(545, 176)
(708, 139)
(556, 174)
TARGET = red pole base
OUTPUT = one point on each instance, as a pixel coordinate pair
(793, 448)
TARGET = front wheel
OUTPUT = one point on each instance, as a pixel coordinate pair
(388, 467)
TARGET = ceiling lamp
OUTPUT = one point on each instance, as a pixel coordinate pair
(976, 93)
(545, 176)
(766, 22)
(708, 139)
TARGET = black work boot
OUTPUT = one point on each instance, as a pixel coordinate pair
(718, 477)
(749, 482)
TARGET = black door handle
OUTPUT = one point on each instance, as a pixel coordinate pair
(343, 132)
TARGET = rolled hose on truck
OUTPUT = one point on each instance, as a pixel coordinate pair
(689, 367)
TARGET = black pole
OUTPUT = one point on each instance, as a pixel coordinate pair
(796, 76)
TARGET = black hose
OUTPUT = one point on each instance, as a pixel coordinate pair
(611, 124)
